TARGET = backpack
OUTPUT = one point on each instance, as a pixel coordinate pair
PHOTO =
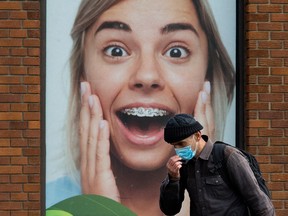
(220, 165)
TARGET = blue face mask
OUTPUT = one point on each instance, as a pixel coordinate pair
(186, 153)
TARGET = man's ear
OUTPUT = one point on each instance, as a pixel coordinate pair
(198, 136)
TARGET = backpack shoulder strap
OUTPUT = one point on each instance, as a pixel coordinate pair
(220, 161)
(218, 152)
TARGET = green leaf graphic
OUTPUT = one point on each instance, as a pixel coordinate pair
(90, 205)
(57, 213)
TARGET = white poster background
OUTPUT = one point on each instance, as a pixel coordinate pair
(60, 18)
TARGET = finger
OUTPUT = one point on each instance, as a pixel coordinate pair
(84, 122)
(95, 118)
(200, 111)
(103, 148)
(175, 158)
(174, 164)
(175, 169)
(177, 166)
(209, 110)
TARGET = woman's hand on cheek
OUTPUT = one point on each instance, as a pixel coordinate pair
(203, 111)
(96, 174)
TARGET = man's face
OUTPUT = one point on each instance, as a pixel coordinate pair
(189, 141)
(146, 60)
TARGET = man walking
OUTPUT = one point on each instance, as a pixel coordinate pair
(192, 169)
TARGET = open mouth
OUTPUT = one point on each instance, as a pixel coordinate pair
(144, 121)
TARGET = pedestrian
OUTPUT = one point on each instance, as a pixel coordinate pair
(192, 169)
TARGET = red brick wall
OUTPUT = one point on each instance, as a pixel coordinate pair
(266, 93)
(265, 108)
(19, 108)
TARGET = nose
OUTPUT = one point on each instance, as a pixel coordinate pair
(148, 75)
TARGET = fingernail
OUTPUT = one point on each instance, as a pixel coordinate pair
(101, 124)
(204, 97)
(207, 87)
(82, 88)
(90, 101)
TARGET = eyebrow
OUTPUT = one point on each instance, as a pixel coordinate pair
(113, 25)
(172, 27)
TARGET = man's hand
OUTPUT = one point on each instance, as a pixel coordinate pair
(173, 165)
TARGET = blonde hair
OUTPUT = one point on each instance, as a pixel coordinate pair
(220, 71)
(88, 13)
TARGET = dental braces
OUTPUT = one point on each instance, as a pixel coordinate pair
(145, 112)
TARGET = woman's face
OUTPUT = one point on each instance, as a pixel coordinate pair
(145, 60)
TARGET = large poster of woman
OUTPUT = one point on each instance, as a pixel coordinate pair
(115, 72)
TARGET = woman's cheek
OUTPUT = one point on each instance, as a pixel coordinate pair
(187, 97)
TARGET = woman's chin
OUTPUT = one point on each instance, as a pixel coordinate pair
(141, 163)
(140, 166)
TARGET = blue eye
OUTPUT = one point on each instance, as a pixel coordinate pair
(115, 51)
(177, 52)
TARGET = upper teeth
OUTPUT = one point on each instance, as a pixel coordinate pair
(145, 112)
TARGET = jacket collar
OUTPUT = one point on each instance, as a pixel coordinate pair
(206, 151)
